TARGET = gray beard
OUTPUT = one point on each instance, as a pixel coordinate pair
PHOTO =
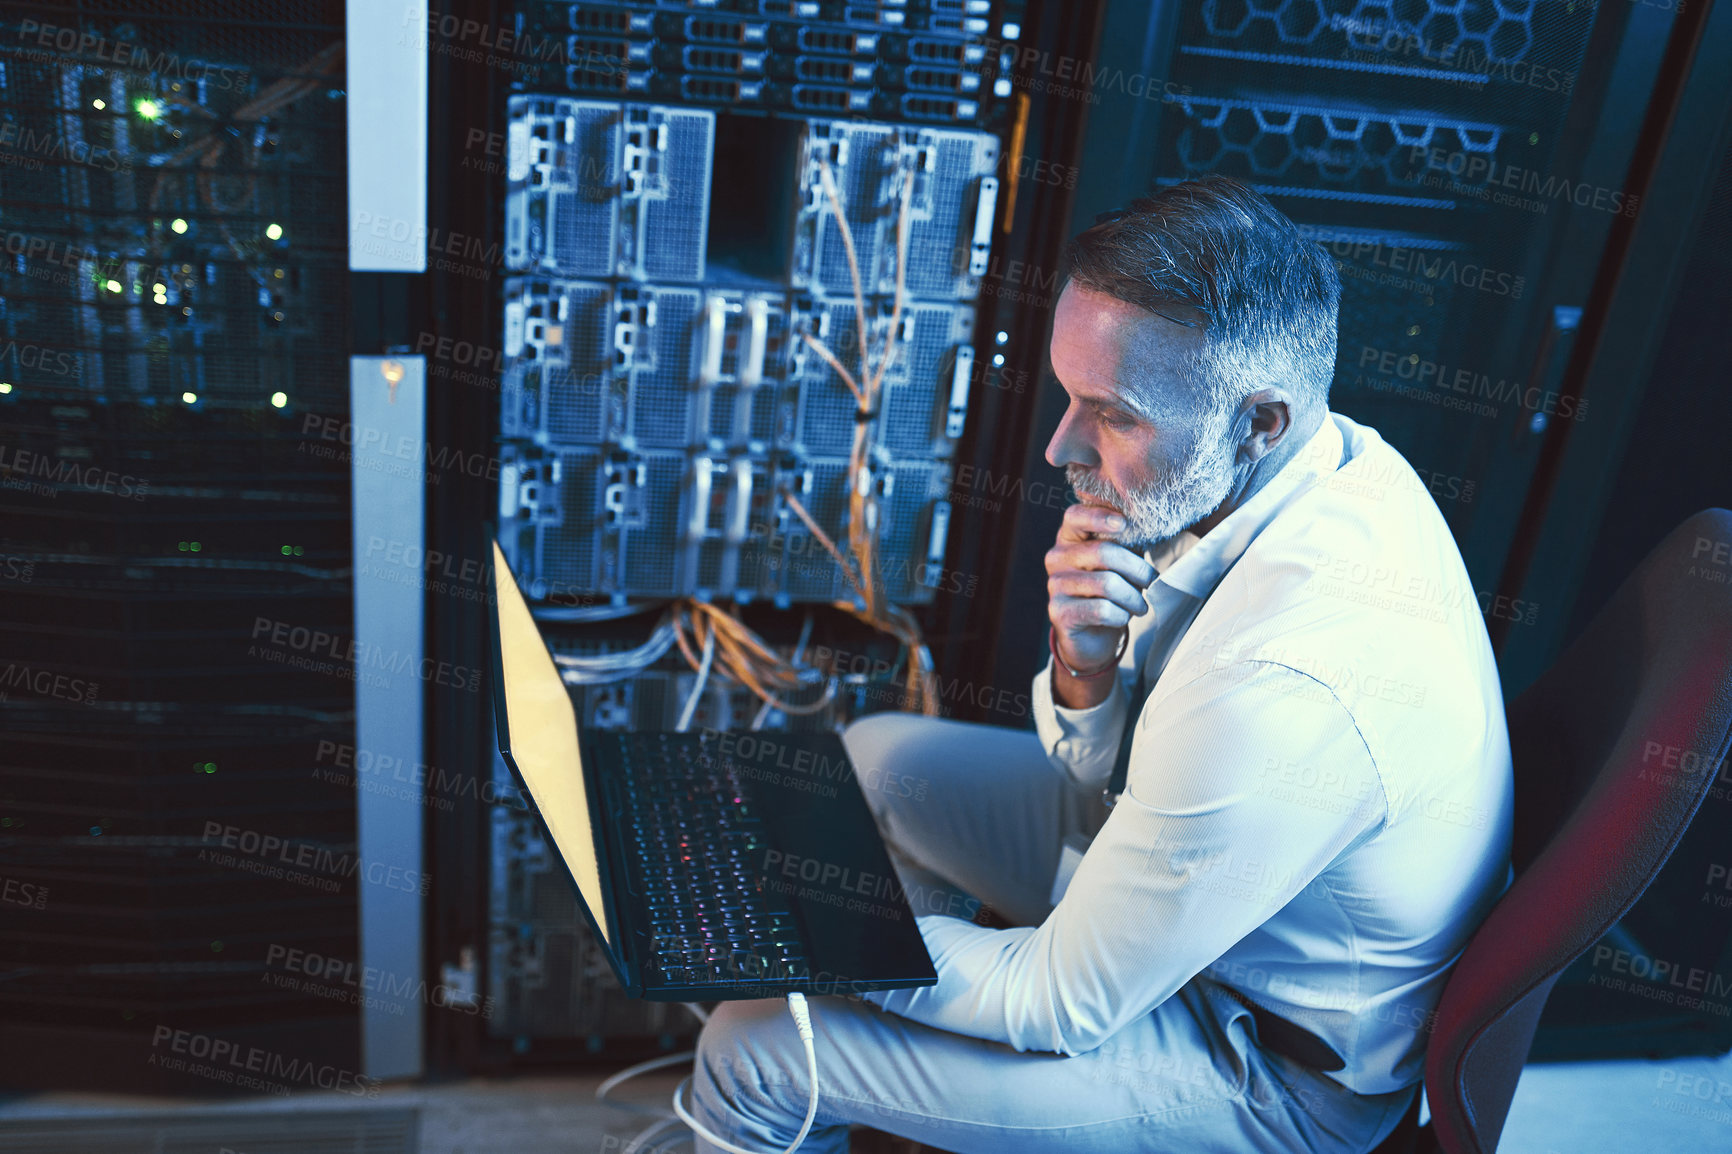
(1172, 503)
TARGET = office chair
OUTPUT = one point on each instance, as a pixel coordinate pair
(1614, 747)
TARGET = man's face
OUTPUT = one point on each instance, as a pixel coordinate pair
(1162, 473)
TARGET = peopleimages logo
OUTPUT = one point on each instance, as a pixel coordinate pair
(46, 683)
(353, 657)
(88, 46)
(23, 469)
(41, 358)
(1474, 167)
(1660, 980)
(39, 145)
(225, 1061)
(1454, 378)
(298, 861)
(341, 979)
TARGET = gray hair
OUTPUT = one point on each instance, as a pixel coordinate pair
(1271, 294)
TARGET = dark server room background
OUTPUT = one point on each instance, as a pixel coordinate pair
(257, 438)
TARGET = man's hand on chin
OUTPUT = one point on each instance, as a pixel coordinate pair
(1094, 587)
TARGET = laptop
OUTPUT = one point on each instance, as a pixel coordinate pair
(709, 866)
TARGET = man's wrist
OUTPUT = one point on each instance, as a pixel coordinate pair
(1084, 674)
(1074, 692)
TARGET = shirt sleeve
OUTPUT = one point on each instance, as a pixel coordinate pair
(1083, 743)
(1209, 840)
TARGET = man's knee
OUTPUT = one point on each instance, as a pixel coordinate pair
(746, 1059)
(878, 738)
(740, 1044)
(889, 748)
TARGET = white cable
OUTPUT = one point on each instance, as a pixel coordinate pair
(667, 1119)
(634, 1071)
(802, 1022)
(698, 686)
(599, 668)
(805, 636)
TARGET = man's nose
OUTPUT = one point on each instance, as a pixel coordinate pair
(1068, 446)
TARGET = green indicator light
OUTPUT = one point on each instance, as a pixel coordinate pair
(195, 546)
(149, 109)
(287, 550)
(274, 231)
(177, 224)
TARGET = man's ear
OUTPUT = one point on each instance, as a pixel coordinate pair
(1265, 418)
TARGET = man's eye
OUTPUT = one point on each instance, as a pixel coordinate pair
(1117, 423)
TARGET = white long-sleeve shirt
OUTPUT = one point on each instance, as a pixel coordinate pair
(1318, 802)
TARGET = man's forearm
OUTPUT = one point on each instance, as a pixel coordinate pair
(1082, 742)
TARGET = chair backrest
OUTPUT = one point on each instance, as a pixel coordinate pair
(1614, 749)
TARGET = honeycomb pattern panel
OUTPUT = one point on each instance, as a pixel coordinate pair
(1352, 153)
(1468, 33)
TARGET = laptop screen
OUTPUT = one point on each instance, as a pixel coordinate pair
(541, 730)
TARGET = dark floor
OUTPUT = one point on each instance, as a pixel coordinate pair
(1682, 1105)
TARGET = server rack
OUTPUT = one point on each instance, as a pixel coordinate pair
(173, 303)
(617, 481)
(671, 430)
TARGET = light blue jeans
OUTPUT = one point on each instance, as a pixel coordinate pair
(976, 811)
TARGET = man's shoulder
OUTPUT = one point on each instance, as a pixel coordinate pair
(1357, 582)
(1370, 521)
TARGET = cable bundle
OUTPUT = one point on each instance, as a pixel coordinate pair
(744, 655)
(863, 577)
(706, 633)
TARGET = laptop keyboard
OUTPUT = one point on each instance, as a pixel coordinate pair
(698, 848)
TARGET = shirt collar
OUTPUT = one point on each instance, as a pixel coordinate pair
(1194, 565)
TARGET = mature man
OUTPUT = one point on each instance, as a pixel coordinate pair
(1268, 654)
